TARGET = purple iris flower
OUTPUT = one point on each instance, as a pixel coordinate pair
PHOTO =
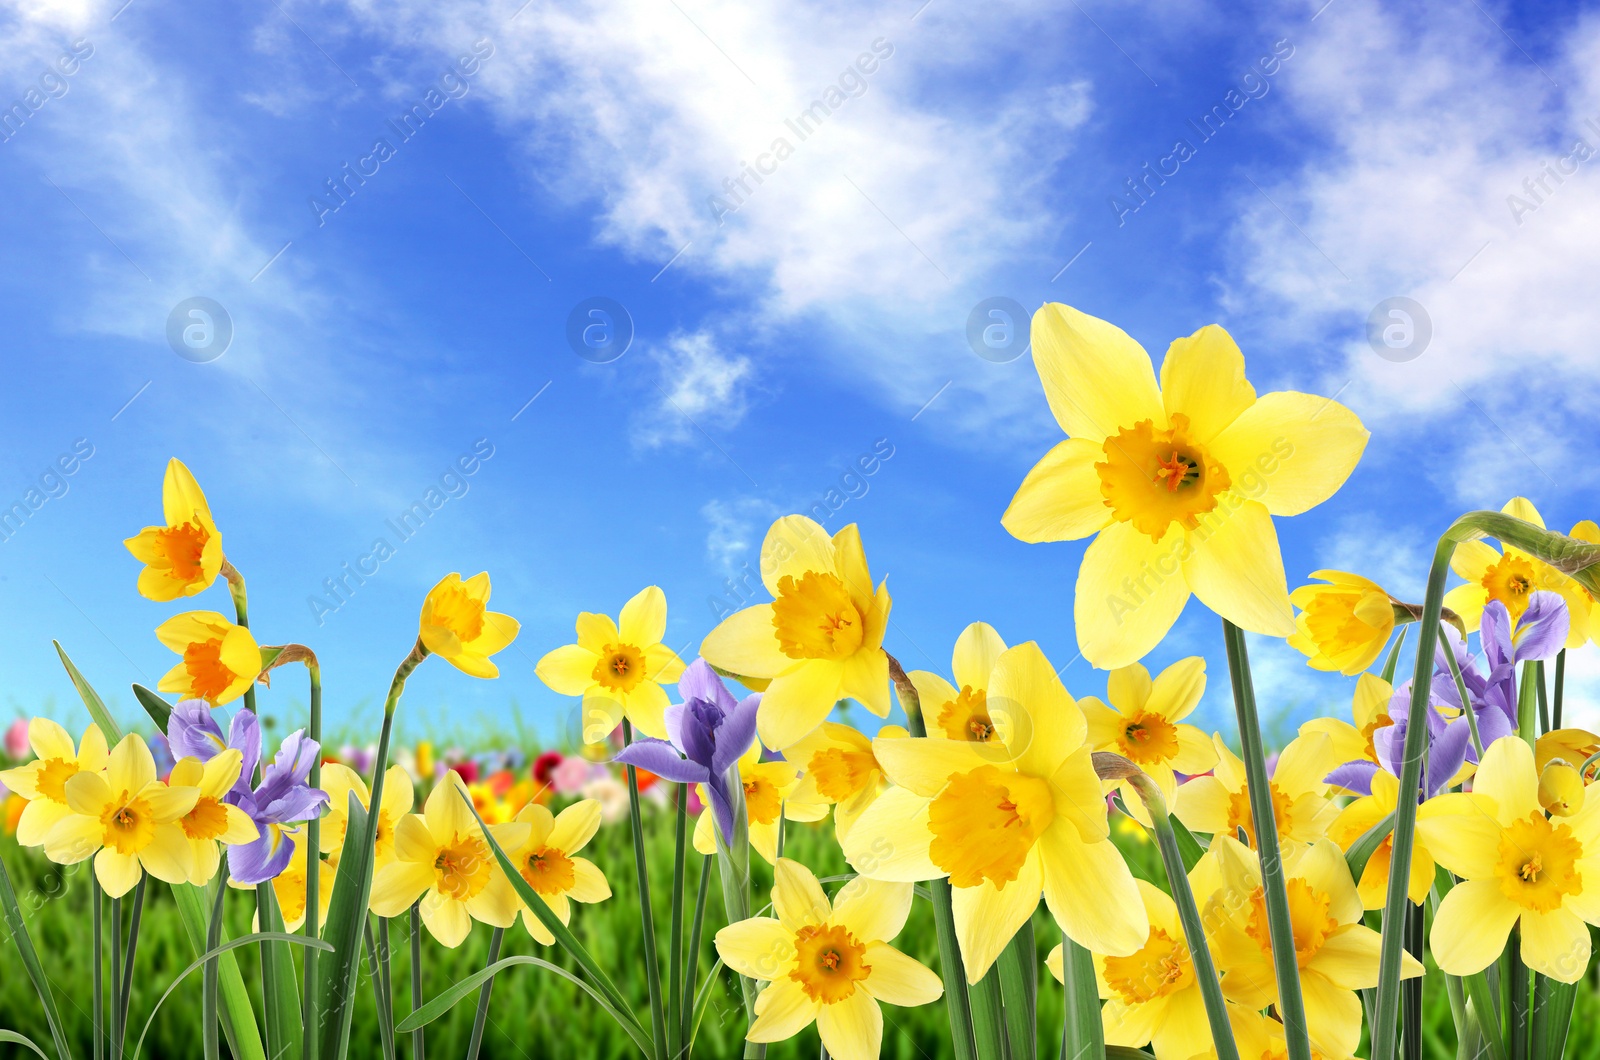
(1491, 692)
(283, 798)
(709, 731)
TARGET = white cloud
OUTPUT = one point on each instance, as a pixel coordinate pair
(1396, 557)
(699, 387)
(735, 531)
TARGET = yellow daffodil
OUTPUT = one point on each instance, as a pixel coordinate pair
(828, 962)
(1337, 954)
(960, 711)
(289, 886)
(1152, 994)
(1177, 484)
(1561, 789)
(1360, 817)
(398, 797)
(442, 858)
(457, 625)
(1589, 530)
(43, 781)
(1219, 804)
(548, 860)
(220, 659)
(1006, 820)
(618, 667)
(771, 791)
(1142, 725)
(839, 769)
(183, 557)
(211, 820)
(1511, 577)
(127, 819)
(1260, 1037)
(821, 638)
(1342, 625)
(1369, 707)
(1516, 867)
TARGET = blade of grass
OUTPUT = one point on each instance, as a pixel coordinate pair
(652, 961)
(279, 987)
(452, 995)
(1560, 686)
(311, 997)
(210, 1047)
(1552, 1016)
(1291, 1003)
(91, 699)
(232, 1002)
(17, 929)
(988, 1020)
(1362, 849)
(693, 957)
(957, 1003)
(127, 964)
(154, 705)
(378, 969)
(1019, 985)
(17, 1039)
(232, 944)
(482, 1015)
(675, 948)
(1393, 659)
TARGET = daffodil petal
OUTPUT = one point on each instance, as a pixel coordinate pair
(1096, 378)
(1130, 591)
(1237, 570)
(1060, 499)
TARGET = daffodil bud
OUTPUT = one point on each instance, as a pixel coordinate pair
(1561, 788)
(1343, 625)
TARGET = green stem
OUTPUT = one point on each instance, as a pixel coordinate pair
(482, 1016)
(1561, 681)
(98, 900)
(241, 611)
(114, 1050)
(1019, 986)
(381, 1001)
(1411, 1007)
(417, 1051)
(1517, 998)
(988, 1023)
(269, 973)
(693, 958)
(675, 950)
(1552, 1016)
(209, 991)
(127, 964)
(1390, 663)
(1544, 702)
(313, 839)
(1194, 930)
(1081, 1032)
(1528, 704)
(951, 967)
(658, 1025)
(1291, 1003)
(1454, 665)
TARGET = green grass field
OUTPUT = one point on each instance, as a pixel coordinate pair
(535, 1014)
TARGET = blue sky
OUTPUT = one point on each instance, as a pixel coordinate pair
(1370, 152)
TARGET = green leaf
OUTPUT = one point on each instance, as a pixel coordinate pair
(16, 1039)
(155, 706)
(91, 699)
(270, 656)
(18, 930)
(453, 995)
(1081, 1034)
(1019, 987)
(988, 1020)
(278, 980)
(1126, 1052)
(1552, 1016)
(1361, 850)
(199, 962)
(238, 1017)
(347, 918)
(1189, 847)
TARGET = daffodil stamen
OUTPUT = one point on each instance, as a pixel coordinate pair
(1155, 477)
(831, 962)
(1538, 863)
(1158, 968)
(984, 824)
(815, 618)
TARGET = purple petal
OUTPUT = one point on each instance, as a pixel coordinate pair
(1390, 742)
(673, 719)
(738, 729)
(1354, 776)
(1494, 634)
(193, 732)
(260, 859)
(299, 803)
(700, 681)
(295, 757)
(1494, 725)
(1448, 754)
(1543, 629)
(660, 758)
(244, 735)
(722, 806)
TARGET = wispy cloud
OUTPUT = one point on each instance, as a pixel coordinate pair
(699, 387)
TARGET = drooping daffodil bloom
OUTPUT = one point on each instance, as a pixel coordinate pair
(183, 557)
(220, 658)
(457, 625)
(1342, 625)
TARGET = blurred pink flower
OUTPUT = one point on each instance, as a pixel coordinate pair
(571, 775)
(17, 739)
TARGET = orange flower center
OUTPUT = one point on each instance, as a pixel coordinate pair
(1308, 916)
(1510, 580)
(127, 825)
(1156, 969)
(209, 677)
(1148, 738)
(549, 871)
(985, 822)
(841, 773)
(966, 717)
(452, 607)
(51, 780)
(182, 546)
(208, 819)
(830, 962)
(762, 801)
(462, 868)
(815, 618)
(1154, 478)
(1239, 815)
(1538, 863)
(620, 669)
(1382, 721)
